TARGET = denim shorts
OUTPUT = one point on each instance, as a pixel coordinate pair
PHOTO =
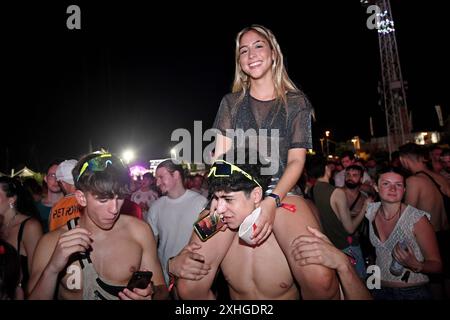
(360, 266)
(422, 292)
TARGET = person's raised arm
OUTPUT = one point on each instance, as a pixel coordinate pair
(222, 145)
(31, 235)
(318, 249)
(51, 257)
(338, 202)
(188, 264)
(213, 252)
(426, 239)
(294, 168)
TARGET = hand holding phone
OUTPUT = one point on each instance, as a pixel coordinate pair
(207, 226)
(140, 280)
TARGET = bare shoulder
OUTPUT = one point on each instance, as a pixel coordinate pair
(134, 226)
(33, 225)
(443, 183)
(338, 195)
(49, 240)
(339, 192)
(423, 225)
(131, 221)
(416, 180)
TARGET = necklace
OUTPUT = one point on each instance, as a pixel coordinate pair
(383, 214)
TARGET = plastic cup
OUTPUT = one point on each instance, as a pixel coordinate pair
(248, 225)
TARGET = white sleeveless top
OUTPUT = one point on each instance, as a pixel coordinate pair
(403, 230)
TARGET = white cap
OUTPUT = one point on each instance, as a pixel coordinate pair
(64, 171)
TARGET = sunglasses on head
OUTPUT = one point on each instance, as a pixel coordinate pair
(222, 168)
(99, 163)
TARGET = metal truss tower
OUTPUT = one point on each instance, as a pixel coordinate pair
(398, 125)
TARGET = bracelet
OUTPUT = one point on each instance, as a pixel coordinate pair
(277, 199)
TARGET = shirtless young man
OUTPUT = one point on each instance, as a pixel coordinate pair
(352, 189)
(425, 190)
(421, 192)
(95, 259)
(253, 272)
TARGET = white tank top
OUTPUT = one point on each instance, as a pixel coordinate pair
(403, 231)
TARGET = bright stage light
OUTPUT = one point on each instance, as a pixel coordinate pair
(128, 155)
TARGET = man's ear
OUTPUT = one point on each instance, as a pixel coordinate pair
(257, 194)
(81, 198)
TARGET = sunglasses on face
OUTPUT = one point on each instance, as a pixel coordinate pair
(99, 163)
(221, 168)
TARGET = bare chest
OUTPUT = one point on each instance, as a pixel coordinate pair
(114, 262)
(257, 272)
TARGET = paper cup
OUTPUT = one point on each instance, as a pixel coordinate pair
(247, 226)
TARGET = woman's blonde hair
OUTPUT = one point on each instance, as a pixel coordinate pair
(281, 80)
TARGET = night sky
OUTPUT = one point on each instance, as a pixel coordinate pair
(135, 72)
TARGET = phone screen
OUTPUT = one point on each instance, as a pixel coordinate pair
(207, 226)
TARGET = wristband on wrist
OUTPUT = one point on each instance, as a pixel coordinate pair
(277, 199)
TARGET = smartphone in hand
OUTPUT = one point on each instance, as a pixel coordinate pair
(139, 279)
(207, 226)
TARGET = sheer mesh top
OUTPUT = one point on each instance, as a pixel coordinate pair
(403, 230)
(292, 121)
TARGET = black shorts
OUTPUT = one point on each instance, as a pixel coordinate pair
(443, 240)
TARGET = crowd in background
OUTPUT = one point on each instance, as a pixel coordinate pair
(379, 213)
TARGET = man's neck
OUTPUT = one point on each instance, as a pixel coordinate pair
(352, 192)
(86, 223)
(416, 167)
(176, 192)
(145, 189)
